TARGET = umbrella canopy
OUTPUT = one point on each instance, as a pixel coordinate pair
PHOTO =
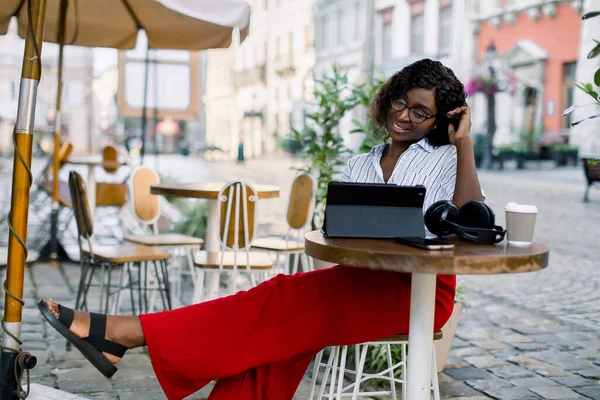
(169, 24)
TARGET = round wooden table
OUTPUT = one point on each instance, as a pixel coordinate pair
(465, 258)
(210, 191)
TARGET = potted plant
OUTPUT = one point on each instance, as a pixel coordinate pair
(588, 87)
(364, 94)
(321, 143)
(442, 346)
(563, 153)
(377, 360)
(290, 145)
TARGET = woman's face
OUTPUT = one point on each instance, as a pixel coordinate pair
(420, 104)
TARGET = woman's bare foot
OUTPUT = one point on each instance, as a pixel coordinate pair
(126, 331)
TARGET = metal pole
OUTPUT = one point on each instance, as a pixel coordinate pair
(57, 130)
(155, 113)
(145, 106)
(21, 182)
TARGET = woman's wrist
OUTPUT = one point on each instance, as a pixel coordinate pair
(464, 143)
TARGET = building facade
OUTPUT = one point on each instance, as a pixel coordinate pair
(408, 30)
(341, 38)
(586, 135)
(537, 47)
(255, 89)
(388, 37)
(77, 100)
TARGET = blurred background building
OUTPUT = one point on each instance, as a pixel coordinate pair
(532, 47)
(78, 116)
(241, 101)
(253, 88)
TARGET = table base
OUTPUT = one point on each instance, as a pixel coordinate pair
(422, 307)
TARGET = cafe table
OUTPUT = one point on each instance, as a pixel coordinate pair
(209, 191)
(464, 258)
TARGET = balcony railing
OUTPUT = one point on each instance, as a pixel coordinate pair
(250, 76)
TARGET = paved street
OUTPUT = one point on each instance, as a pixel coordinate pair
(525, 336)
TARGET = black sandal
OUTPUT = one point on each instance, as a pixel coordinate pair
(91, 346)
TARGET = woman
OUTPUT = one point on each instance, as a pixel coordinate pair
(258, 344)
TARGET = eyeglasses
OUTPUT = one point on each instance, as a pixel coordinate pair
(415, 115)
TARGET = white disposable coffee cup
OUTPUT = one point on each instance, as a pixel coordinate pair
(520, 224)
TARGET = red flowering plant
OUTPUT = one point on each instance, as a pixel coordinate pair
(489, 86)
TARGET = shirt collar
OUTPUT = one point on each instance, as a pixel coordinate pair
(423, 143)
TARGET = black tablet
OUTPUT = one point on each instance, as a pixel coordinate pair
(371, 210)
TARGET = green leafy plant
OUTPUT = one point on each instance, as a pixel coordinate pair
(363, 94)
(195, 214)
(563, 148)
(376, 359)
(195, 220)
(589, 88)
(322, 144)
(461, 296)
(289, 145)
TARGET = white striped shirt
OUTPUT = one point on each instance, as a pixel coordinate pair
(421, 164)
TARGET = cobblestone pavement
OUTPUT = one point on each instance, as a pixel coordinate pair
(525, 336)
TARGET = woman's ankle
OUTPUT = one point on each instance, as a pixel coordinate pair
(125, 330)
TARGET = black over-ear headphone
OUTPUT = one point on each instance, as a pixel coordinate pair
(474, 221)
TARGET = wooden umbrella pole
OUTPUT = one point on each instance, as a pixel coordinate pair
(10, 387)
(57, 129)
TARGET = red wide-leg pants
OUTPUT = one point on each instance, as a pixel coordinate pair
(259, 343)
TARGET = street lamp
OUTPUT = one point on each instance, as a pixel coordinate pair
(491, 55)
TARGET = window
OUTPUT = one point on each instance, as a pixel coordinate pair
(386, 34)
(291, 48)
(445, 30)
(357, 14)
(320, 33)
(417, 42)
(277, 47)
(327, 29)
(308, 37)
(339, 33)
(386, 41)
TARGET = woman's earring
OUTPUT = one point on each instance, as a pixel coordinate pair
(435, 126)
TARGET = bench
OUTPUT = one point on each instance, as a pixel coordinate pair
(591, 168)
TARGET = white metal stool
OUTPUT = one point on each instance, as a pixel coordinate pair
(335, 370)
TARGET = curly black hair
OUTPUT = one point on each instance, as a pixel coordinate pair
(427, 74)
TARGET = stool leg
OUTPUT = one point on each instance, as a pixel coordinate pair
(160, 288)
(391, 373)
(340, 385)
(306, 264)
(165, 268)
(359, 371)
(102, 278)
(109, 272)
(84, 270)
(119, 293)
(131, 288)
(434, 377)
(328, 368)
(198, 287)
(404, 371)
(313, 381)
(190, 261)
(334, 372)
(296, 261)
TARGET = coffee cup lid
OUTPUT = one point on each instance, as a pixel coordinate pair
(521, 208)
